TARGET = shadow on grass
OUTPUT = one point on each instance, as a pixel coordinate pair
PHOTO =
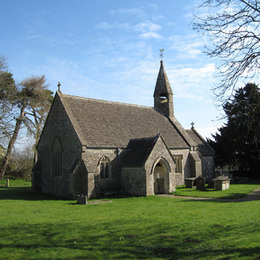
(24, 193)
(116, 240)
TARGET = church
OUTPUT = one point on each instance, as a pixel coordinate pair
(97, 148)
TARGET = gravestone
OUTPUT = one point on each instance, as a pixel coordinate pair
(200, 183)
(82, 199)
(221, 183)
(190, 182)
(211, 184)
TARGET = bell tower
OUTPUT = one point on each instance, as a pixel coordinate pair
(163, 95)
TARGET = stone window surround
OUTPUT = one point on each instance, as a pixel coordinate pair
(56, 157)
(104, 168)
(178, 159)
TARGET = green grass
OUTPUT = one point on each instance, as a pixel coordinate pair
(235, 191)
(36, 226)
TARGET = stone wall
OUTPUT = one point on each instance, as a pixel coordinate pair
(179, 179)
(186, 170)
(160, 152)
(195, 164)
(98, 187)
(134, 181)
(59, 126)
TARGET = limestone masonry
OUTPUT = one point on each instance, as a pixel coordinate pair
(97, 148)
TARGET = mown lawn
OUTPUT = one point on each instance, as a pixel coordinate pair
(236, 190)
(35, 226)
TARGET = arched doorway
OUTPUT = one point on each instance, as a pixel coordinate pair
(161, 177)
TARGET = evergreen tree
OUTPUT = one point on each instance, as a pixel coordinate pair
(238, 141)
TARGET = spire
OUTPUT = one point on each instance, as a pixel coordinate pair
(163, 95)
(162, 86)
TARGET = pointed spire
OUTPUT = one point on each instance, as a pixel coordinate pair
(163, 95)
(162, 86)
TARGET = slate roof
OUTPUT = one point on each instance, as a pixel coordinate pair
(101, 123)
(138, 151)
(202, 147)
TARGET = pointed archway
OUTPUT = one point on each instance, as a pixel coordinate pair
(161, 172)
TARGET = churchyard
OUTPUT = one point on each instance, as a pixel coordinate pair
(37, 226)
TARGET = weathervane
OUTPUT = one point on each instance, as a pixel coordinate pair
(161, 54)
(58, 85)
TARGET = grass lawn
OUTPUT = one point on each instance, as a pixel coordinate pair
(36, 226)
(237, 190)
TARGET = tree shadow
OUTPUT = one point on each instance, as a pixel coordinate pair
(24, 193)
(120, 240)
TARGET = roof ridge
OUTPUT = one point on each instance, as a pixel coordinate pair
(144, 138)
(201, 138)
(105, 101)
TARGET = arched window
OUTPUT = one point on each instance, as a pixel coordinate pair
(104, 168)
(56, 157)
(178, 159)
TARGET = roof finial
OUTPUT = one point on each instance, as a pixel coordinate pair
(192, 125)
(161, 54)
(58, 85)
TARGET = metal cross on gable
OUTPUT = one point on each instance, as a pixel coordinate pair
(192, 125)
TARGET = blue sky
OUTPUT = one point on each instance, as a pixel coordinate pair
(109, 49)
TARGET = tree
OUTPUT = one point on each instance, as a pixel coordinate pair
(233, 30)
(32, 95)
(21, 162)
(238, 141)
(8, 92)
(37, 108)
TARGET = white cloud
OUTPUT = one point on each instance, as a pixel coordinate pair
(34, 37)
(107, 26)
(157, 17)
(129, 12)
(147, 26)
(150, 35)
(154, 6)
(193, 83)
(104, 26)
(188, 46)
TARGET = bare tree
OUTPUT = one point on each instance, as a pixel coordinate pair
(233, 30)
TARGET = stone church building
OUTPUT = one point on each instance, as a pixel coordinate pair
(95, 147)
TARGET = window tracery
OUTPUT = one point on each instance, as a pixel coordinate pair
(178, 160)
(104, 168)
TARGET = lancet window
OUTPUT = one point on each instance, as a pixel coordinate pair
(104, 168)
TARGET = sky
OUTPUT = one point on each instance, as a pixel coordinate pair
(109, 50)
